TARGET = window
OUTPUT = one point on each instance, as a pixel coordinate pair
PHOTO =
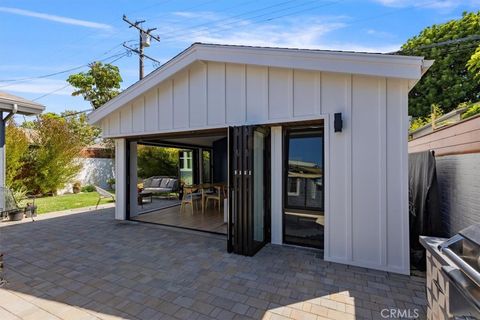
(303, 219)
(186, 172)
(305, 170)
(206, 166)
(293, 186)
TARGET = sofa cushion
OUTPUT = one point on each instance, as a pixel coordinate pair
(171, 183)
(155, 183)
(164, 182)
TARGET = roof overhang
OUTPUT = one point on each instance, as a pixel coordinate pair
(11, 103)
(373, 64)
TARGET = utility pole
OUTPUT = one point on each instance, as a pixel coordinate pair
(144, 41)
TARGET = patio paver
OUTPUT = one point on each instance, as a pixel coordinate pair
(89, 266)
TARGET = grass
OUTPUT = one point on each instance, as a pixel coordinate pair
(67, 202)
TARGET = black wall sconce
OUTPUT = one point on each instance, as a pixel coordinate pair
(338, 122)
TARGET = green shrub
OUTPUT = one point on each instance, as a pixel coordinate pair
(88, 188)
(471, 111)
(157, 161)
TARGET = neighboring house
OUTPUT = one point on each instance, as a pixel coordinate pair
(305, 184)
(457, 157)
(276, 105)
(447, 119)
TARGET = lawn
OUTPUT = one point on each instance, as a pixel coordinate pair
(68, 201)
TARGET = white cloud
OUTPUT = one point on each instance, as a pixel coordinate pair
(205, 15)
(307, 32)
(55, 18)
(39, 86)
(437, 4)
(379, 33)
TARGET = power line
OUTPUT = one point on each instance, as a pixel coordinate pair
(51, 92)
(61, 88)
(15, 81)
(215, 22)
(232, 24)
(443, 43)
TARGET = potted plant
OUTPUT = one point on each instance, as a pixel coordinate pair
(77, 187)
(111, 183)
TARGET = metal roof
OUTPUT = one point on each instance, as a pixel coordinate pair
(24, 106)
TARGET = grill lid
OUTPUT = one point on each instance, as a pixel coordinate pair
(463, 249)
(472, 233)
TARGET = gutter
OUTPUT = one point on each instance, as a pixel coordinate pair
(426, 64)
(11, 113)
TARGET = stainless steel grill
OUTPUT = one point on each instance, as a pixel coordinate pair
(453, 275)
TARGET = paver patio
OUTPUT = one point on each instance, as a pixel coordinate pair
(89, 266)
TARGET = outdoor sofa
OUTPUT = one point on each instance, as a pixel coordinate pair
(159, 184)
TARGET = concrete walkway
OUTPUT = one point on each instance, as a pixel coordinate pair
(88, 266)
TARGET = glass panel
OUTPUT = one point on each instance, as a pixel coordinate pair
(206, 167)
(258, 187)
(305, 171)
(186, 173)
(304, 201)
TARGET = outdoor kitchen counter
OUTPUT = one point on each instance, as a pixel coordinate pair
(444, 299)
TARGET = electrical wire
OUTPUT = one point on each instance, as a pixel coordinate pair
(64, 87)
(22, 80)
(51, 92)
(234, 23)
(215, 22)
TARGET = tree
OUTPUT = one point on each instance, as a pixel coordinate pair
(448, 82)
(16, 146)
(98, 85)
(51, 163)
(473, 64)
(78, 123)
(157, 161)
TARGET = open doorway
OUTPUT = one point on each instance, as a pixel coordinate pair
(182, 181)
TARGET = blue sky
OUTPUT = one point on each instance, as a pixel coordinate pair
(44, 37)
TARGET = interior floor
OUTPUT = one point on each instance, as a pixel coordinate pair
(211, 220)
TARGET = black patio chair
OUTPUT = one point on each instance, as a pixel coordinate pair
(10, 208)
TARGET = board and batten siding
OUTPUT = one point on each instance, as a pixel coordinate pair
(218, 94)
(366, 164)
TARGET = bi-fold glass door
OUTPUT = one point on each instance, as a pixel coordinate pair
(249, 201)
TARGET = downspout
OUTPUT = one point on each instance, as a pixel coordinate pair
(11, 113)
(3, 121)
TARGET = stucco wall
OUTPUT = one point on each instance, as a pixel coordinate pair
(95, 171)
(459, 183)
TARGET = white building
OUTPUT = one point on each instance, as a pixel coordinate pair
(276, 106)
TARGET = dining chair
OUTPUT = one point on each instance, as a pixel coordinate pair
(189, 197)
(216, 197)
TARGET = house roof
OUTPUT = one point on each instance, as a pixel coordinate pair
(374, 64)
(24, 106)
